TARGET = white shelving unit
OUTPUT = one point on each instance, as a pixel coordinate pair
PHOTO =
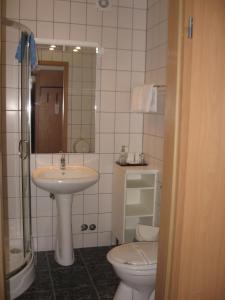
(134, 200)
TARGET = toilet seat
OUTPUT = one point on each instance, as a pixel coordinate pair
(138, 256)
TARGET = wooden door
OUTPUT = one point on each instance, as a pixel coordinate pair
(49, 126)
(192, 260)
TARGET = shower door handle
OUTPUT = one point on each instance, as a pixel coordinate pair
(23, 144)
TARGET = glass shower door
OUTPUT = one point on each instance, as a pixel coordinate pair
(24, 149)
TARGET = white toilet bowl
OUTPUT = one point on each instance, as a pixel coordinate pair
(135, 264)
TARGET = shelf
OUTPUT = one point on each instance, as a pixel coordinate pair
(129, 235)
(138, 184)
(138, 210)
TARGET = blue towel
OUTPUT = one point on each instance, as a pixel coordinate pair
(21, 48)
(33, 51)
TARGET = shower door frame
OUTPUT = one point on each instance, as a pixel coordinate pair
(2, 257)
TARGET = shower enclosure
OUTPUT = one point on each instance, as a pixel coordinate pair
(19, 262)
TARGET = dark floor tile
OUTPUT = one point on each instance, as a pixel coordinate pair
(36, 296)
(95, 255)
(103, 274)
(107, 291)
(54, 265)
(41, 261)
(42, 282)
(70, 278)
(87, 293)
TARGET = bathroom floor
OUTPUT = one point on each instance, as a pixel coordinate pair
(91, 277)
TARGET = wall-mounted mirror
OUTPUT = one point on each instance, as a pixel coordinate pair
(63, 99)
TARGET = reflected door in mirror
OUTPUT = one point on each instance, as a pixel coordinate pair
(50, 132)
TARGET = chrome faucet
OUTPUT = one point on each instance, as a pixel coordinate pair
(62, 161)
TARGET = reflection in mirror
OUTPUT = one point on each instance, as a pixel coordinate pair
(63, 100)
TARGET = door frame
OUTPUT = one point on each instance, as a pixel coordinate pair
(2, 255)
(171, 210)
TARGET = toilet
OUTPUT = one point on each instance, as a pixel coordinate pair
(135, 264)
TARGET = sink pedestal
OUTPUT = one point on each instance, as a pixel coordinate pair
(64, 254)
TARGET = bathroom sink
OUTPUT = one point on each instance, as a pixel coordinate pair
(64, 182)
(70, 180)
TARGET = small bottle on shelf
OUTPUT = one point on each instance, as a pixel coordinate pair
(123, 156)
(142, 159)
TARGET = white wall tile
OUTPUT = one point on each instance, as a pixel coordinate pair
(106, 163)
(61, 31)
(94, 34)
(109, 37)
(91, 160)
(139, 40)
(108, 101)
(122, 123)
(107, 122)
(125, 3)
(105, 183)
(28, 9)
(110, 17)
(61, 11)
(44, 243)
(123, 81)
(108, 80)
(135, 143)
(138, 61)
(12, 9)
(124, 60)
(12, 96)
(44, 226)
(77, 241)
(44, 30)
(77, 32)
(12, 121)
(120, 140)
(136, 123)
(105, 203)
(123, 101)
(106, 143)
(77, 221)
(124, 38)
(105, 222)
(78, 205)
(125, 17)
(90, 240)
(109, 59)
(78, 13)
(104, 238)
(45, 10)
(13, 165)
(140, 4)
(44, 207)
(94, 16)
(139, 19)
(90, 204)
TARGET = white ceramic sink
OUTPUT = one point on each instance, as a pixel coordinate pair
(64, 183)
(68, 181)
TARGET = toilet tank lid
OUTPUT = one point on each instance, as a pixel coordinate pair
(140, 253)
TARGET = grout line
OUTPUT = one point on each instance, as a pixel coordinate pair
(89, 275)
(50, 275)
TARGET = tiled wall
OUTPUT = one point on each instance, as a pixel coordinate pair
(122, 33)
(156, 61)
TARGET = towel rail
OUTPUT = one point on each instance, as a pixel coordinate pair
(159, 85)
